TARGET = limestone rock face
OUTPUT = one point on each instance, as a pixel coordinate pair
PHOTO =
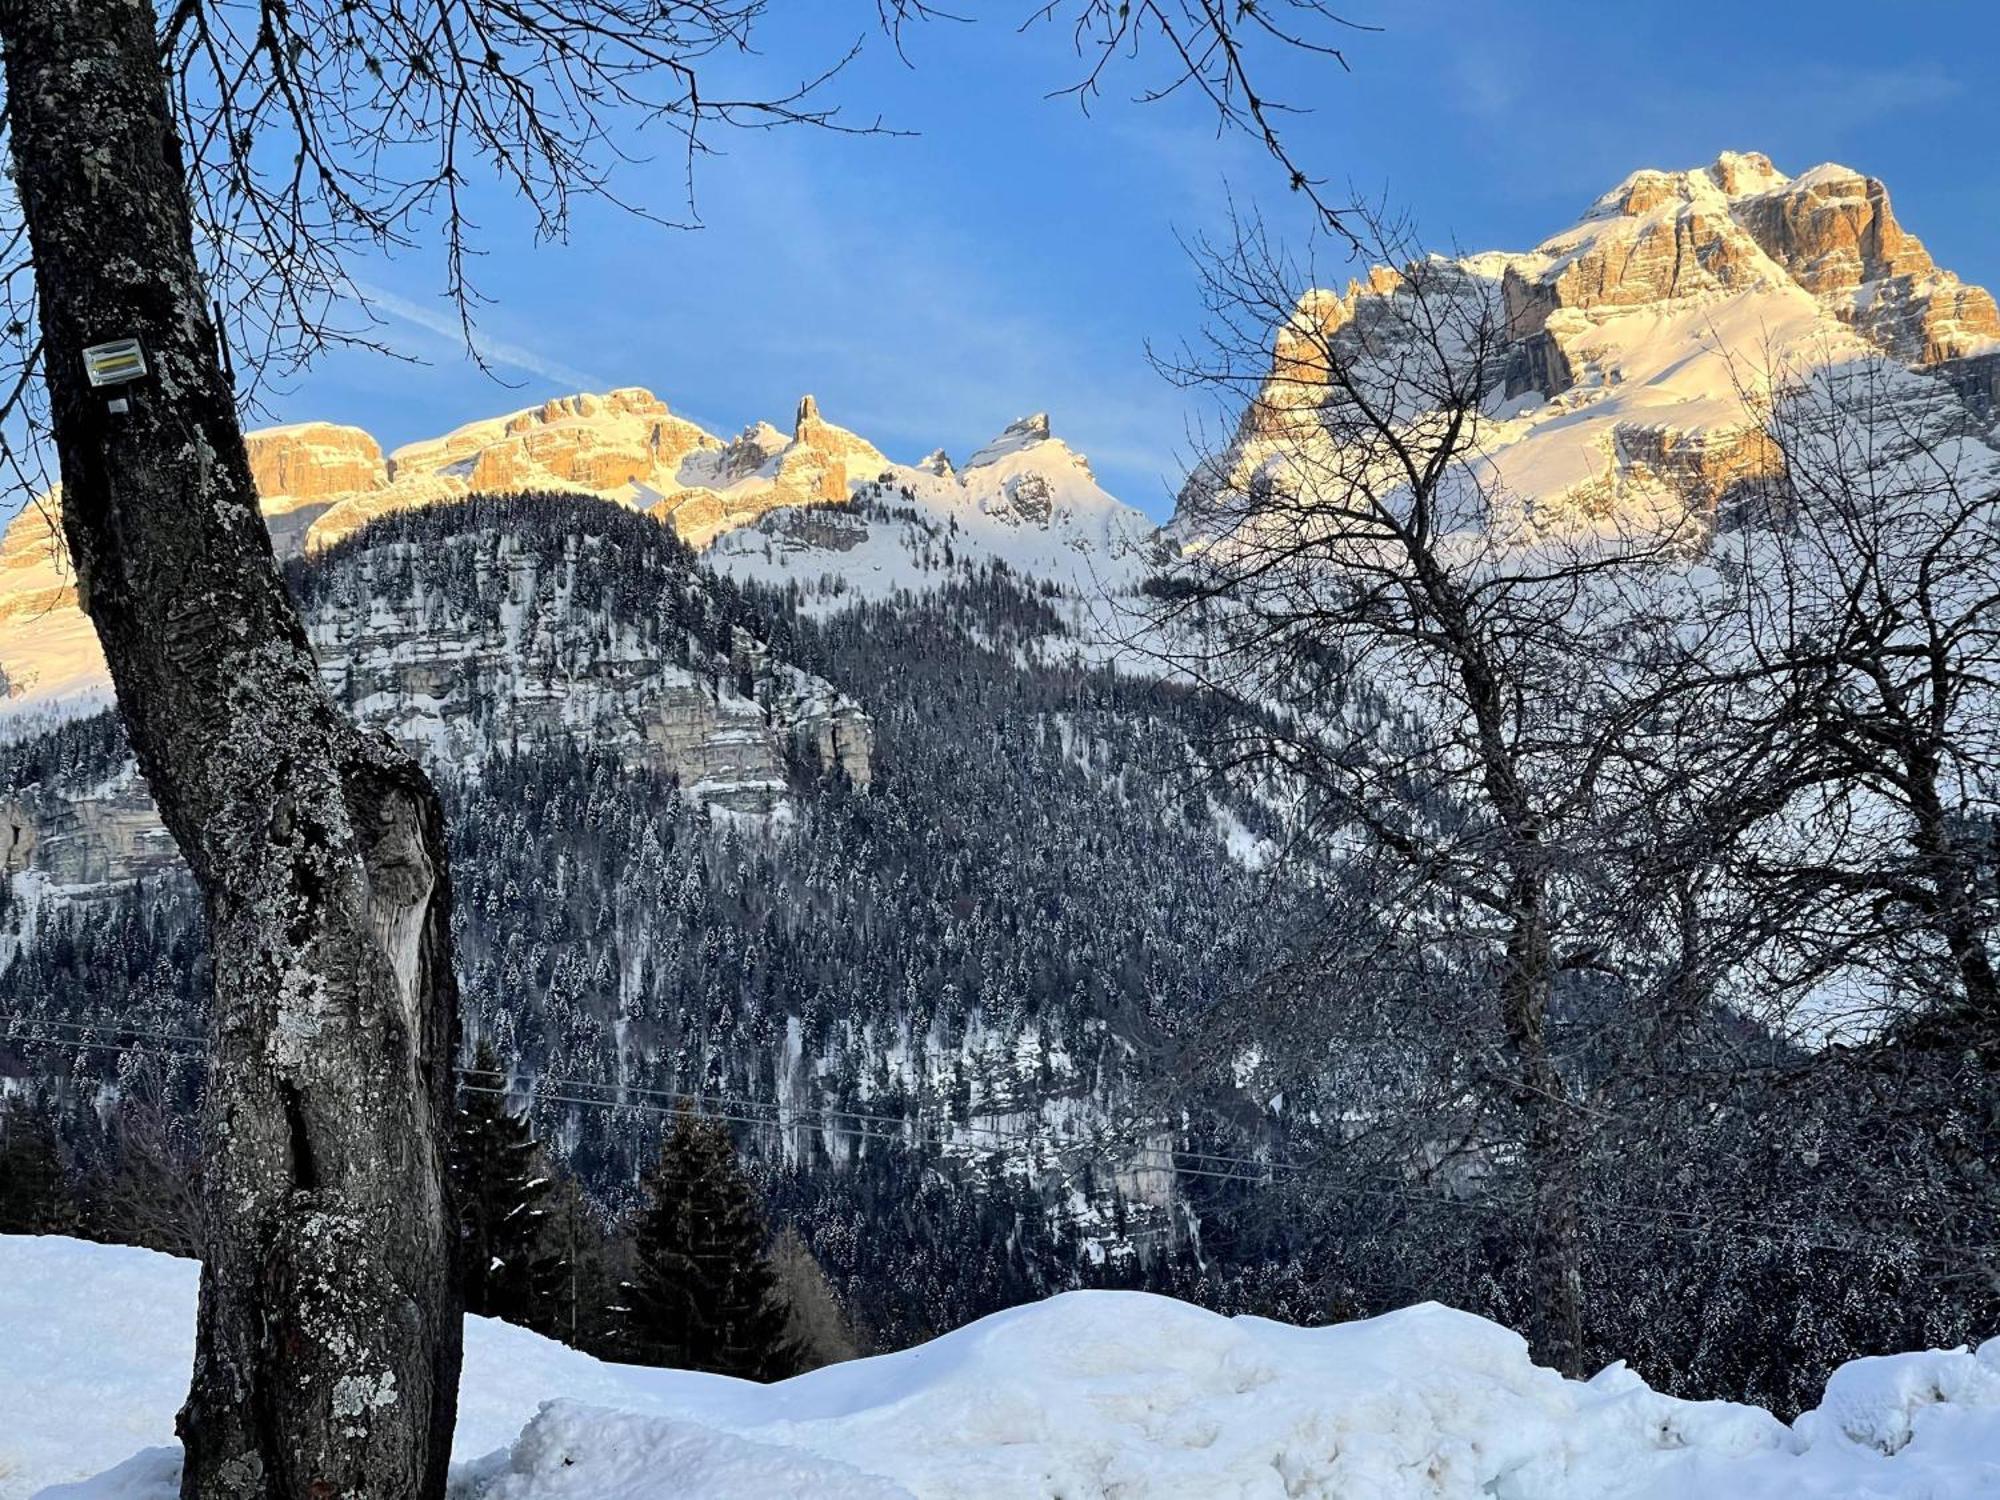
(1661, 246)
(1637, 345)
(624, 445)
(1703, 470)
(762, 471)
(1740, 173)
(34, 562)
(1834, 232)
(1976, 378)
(1031, 498)
(831, 729)
(314, 461)
(1302, 344)
(305, 469)
(18, 835)
(834, 445)
(572, 442)
(48, 649)
(752, 448)
(111, 835)
(1741, 223)
(1018, 436)
(525, 660)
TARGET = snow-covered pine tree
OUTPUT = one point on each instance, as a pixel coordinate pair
(511, 1269)
(704, 1295)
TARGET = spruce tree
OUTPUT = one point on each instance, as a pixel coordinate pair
(510, 1269)
(34, 1194)
(705, 1296)
(574, 1310)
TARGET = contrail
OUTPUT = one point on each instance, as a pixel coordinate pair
(493, 351)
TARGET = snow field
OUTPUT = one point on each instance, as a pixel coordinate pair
(1088, 1396)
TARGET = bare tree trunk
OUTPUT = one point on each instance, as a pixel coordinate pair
(1527, 986)
(1553, 1150)
(328, 1349)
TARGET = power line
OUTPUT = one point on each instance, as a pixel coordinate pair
(1697, 1225)
(1003, 1136)
(95, 1027)
(729, 1107)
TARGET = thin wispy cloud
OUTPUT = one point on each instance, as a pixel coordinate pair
(501, 353)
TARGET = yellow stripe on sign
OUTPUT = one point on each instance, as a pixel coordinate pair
(114, 363)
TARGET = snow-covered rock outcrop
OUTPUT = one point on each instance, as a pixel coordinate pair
(1740, 224)
(1639, 343)
(763, 471)
(1026, 500)
(480, 637)
(1089, 1396)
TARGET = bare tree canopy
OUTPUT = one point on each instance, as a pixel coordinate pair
(322, 132)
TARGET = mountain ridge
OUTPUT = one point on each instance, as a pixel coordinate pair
(1640, 342)
(1026, 500)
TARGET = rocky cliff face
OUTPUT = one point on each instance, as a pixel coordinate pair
(1639, 342)
(463, 633)
(304, 470)
(1740, 223)
(1025, 501)
(109, 835)
(624, 445)
(762, 471)
(48, 651)
(530, 650)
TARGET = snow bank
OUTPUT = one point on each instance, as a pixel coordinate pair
(1090, 1396)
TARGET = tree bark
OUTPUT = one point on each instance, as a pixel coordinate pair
(328, 1345)
(1554, 1153)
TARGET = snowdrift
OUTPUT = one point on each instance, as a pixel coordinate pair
(1089, 1396)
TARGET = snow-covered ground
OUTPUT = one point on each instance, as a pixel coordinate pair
(1090, 1396)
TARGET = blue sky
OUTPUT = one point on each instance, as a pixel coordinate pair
(1014, 255)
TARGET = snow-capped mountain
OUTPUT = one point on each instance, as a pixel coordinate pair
(1026, 499)
(1641, 341)
(821, 506)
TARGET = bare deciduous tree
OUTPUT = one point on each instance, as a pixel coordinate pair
(1491, 705)
(1870, 565)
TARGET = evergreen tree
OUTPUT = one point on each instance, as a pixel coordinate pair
(510, 1269)
(34, 1194)
(704, 1296)
(574, 1310)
